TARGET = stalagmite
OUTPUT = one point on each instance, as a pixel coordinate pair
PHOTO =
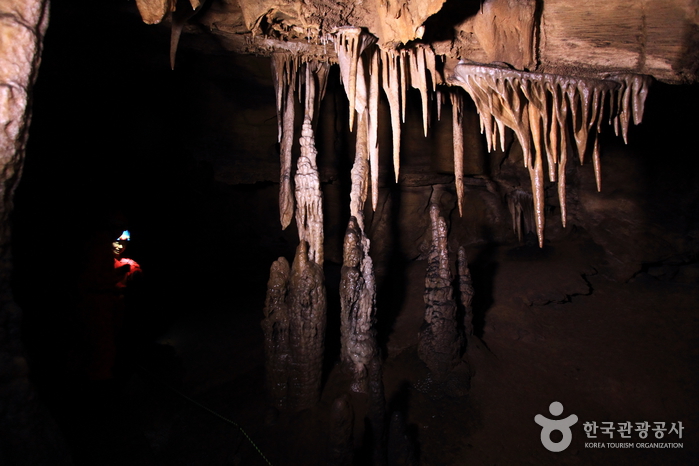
(358, 303)
(391, 87)
(439, 343)
(275, 327)
(294, 329)
(284, 69)
(341, 445)
(307, 319)
(465, 291)
(458, 138)
(536, 107)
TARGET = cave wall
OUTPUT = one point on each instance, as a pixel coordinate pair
(27, 434)
(190, 157)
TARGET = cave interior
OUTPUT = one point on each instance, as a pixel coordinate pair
(599, 314)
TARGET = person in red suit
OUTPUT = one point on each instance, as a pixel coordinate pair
(103, 308)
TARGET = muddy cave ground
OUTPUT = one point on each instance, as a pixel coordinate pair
(140, 142)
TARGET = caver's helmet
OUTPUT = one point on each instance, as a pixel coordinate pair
(119, 245)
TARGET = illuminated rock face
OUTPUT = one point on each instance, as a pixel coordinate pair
(294, 327)
(27, 436)
(358, 315)
(441, 341)
(275, 326)
(552, 36)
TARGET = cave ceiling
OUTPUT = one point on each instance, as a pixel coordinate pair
(657, 38)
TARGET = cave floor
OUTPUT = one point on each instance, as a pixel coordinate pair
(550, 327)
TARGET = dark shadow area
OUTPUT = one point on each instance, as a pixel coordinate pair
(390, 292)
(483, 269)
(440, 26)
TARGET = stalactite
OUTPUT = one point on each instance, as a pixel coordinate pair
(307, 319)
(536, 107)
(347, 48)
(458, 138)
(179, 20)
(309, 197)
(404, 65)
(275, 326)
(465, 291)
(374, 128)
(560, 129)
(439, 343)
(310, 94)
(630, 101)
(320, 70)
(359, 176)
(278, 80)
(520, 204)
(284, 68)
(418, 79)
(596, 163)
(430, 65)
(341, 445)
(350, 43)
(391, 87)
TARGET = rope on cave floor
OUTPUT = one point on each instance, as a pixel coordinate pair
(205, 408)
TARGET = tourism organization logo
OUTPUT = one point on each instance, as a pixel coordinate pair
(624, 430)
(561, 425)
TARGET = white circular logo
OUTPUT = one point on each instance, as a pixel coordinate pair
(561, 425)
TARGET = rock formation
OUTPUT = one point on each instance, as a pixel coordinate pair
(309, 198)
(542, 109)
(307, 319)
(440, 342)
(294, 327)
(466, 291)
(377, 411)
(275, 326)
(27, 435)
(341, 444)
(358, 300)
